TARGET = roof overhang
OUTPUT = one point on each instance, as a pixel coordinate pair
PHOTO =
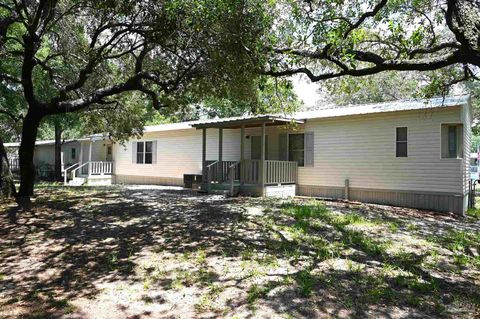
(268, 120)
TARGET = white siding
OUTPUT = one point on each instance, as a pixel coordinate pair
(362, 149)
(359, 148)
(467, 140)
(178, 152)
(45, 154)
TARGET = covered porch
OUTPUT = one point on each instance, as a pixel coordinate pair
(259, 176)
(94, 165)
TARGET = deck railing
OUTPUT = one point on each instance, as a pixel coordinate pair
(14, 164)
(219, 172)
(101, 168)
(280, 172)
(250, 171)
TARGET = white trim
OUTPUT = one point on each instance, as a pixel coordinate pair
(288, 146)
(144, 152)
(395, 142)
(441, 149)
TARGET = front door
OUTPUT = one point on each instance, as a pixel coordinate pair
(255, 147)
(109, 152)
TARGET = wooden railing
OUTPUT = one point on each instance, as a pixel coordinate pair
(233, 172)
(218, 172)
(250, 171)
(14, 164)
(101, 168)
(93, 168)
(67, 171)
(280, 172)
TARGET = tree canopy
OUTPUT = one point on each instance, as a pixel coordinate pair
(335, 38)
(71, 55)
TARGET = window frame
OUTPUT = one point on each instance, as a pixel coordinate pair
(460, 147)
(303, 150)
(144, 152)
(73, 153)
(397, 141)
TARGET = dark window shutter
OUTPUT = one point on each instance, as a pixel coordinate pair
(134, 152)
(309, 148)
(282, 147)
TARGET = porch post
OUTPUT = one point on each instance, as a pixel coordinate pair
(220, 154)
(262, 160)
(242, 152)
(204, 155)
(80, 158)
(89, 157)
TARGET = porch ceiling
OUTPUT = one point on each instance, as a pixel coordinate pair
(247, 121)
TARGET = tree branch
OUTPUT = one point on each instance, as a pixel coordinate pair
(364, 16)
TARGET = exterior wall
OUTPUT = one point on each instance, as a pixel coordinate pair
(178, 152)
(99, 150)
(45, 154)
(358, 148)
(362, 150)
(467, 137)
(67, 153)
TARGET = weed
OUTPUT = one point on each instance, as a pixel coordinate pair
(256, 292)
(305, 282)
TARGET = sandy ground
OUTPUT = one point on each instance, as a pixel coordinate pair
(166, 252)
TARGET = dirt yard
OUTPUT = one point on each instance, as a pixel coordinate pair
(157, 252)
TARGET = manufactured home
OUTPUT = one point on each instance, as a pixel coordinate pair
(413, 153)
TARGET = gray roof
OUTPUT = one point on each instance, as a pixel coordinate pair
(328, 111)
(247, 120)
(393, 106)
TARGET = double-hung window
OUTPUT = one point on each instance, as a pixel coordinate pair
(452, 140)
(296, 148)
(144, 152)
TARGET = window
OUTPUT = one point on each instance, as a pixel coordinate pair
(452, 140)
(109, 149)
(144, 153)
(296, 148)
(74, 153)
(401, 142)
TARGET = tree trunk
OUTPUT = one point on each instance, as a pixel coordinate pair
(7, 186)
(58, 151)
(26, 151)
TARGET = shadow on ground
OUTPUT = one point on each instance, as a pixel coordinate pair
(188, 255)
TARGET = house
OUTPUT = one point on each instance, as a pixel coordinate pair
(412, 153)
(94, 149)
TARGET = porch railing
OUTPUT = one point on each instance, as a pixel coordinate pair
(280, 172)
(14, 164)
(218, 172)
(250, 171)
(67, 171)
(93, 168)
(101, 168)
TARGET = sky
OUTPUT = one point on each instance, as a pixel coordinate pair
(307, 91)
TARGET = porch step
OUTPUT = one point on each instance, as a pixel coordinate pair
(220, 189)
(77, 181)
(93, 180)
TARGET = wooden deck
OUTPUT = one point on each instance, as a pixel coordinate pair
(248, 176)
